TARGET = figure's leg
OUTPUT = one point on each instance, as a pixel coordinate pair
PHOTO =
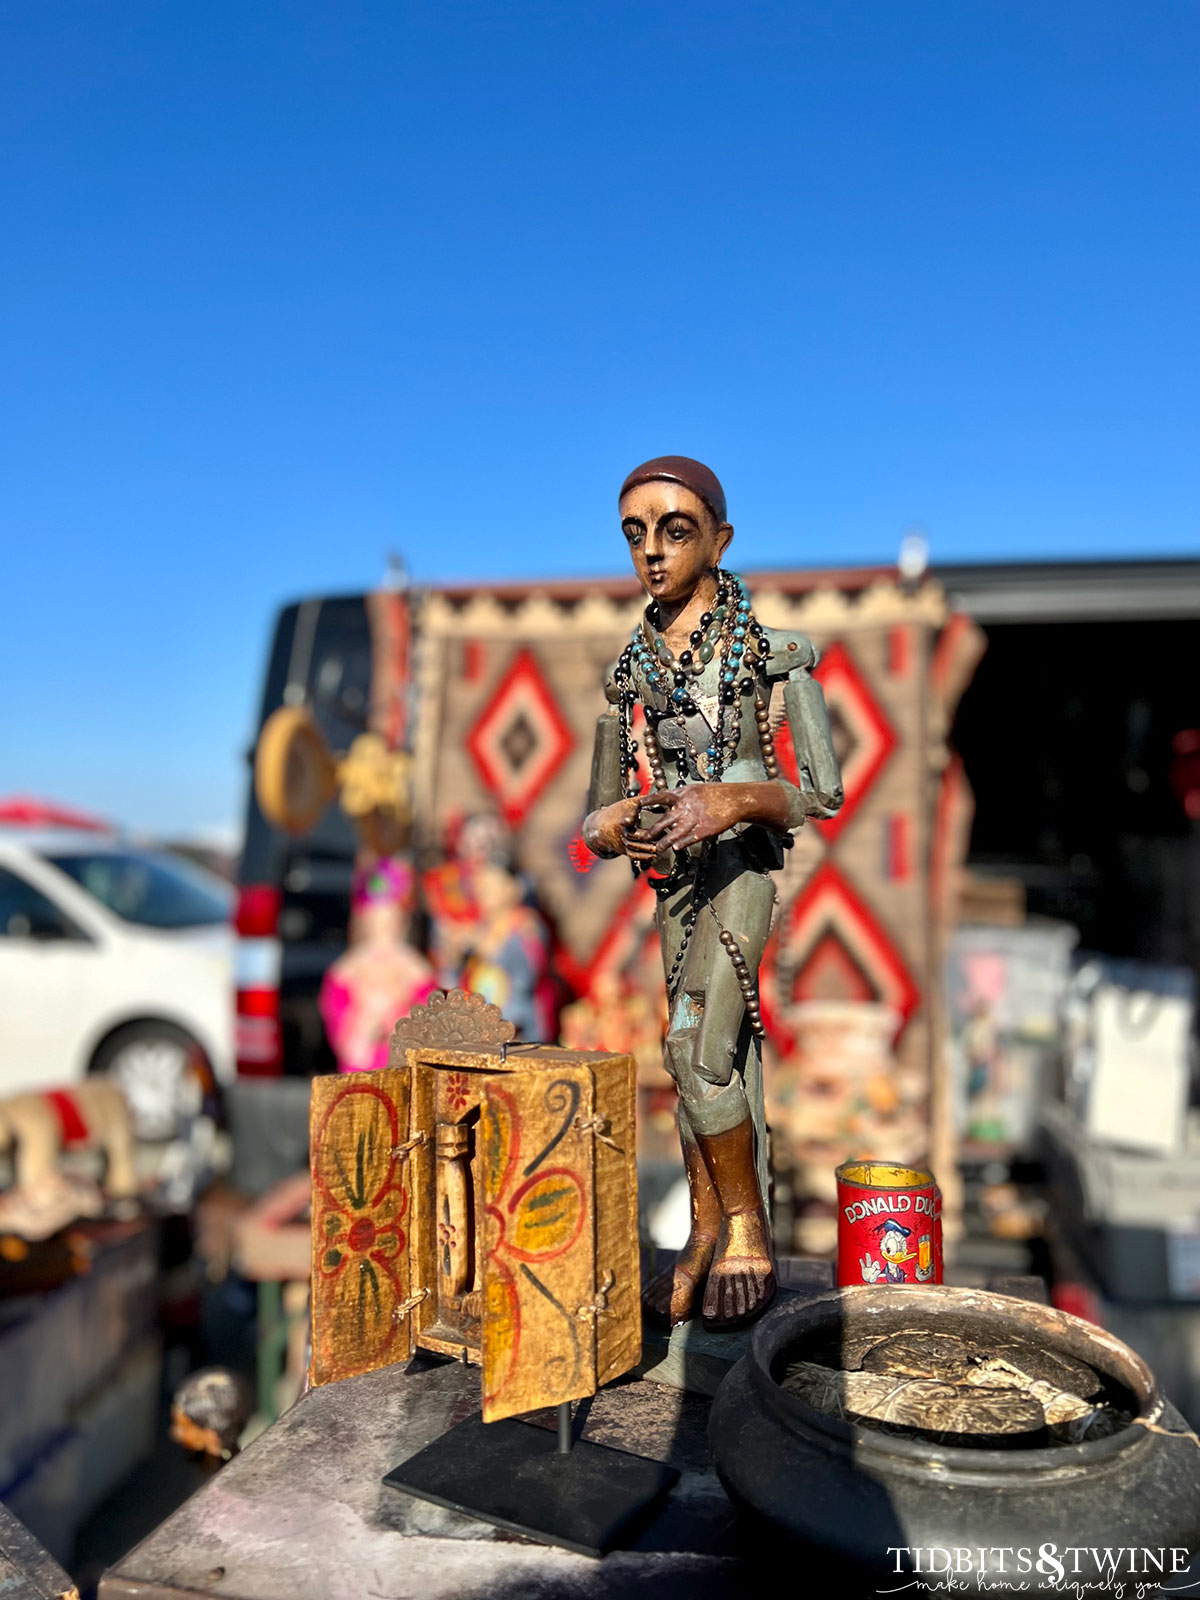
(674, 1296)
(741, 1276)
(722, 1095)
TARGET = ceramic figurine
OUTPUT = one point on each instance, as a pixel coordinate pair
(712, 829)
(487, 939)
(380, 977)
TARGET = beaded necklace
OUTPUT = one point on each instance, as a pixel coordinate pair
(732, 628)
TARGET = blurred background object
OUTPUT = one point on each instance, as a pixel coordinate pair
(82, 1362)
(114, 960)
(381, 976)
(1007, 987)
(37, 1129)
(209, 1410)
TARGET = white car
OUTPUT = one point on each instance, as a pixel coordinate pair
(113, 959)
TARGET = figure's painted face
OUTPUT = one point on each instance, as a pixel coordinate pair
(673, 539)
(496, 891)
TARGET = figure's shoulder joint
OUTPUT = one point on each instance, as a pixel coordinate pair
(788, 651)
(611, 692)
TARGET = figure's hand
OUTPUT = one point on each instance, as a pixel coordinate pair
(693, 813)
(605, 831)
(870, 1269)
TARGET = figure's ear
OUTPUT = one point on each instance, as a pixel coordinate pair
(724, 536)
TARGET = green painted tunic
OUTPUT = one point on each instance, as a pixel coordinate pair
(711, 1050)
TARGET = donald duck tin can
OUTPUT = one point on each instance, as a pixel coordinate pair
(889, 1224)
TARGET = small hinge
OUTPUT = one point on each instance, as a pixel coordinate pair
(408, 1305)
(600, 1128)
(599, 1306)
(401, 1151)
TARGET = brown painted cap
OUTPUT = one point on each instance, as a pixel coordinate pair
(693, 475)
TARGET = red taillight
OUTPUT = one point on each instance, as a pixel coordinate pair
(257, 915)
(258, 1038)
(257, 1035)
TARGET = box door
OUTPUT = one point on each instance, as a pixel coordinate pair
(539, 1249)
(361, 1210)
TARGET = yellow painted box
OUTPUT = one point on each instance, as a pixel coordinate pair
(479, 1202)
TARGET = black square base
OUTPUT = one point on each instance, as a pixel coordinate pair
(511, 1474)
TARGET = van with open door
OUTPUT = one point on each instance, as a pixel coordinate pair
(294, 892)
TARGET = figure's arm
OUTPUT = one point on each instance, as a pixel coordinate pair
(607, 784)
(793, 658)
(610, 814)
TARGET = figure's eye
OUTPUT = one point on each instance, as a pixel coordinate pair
(635, 533)
(679, 530)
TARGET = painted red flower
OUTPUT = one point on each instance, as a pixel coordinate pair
(362, 1205)
(537, 1215)
(458, 1090)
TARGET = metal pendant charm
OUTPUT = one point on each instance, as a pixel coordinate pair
(710, 708)
(671, 734)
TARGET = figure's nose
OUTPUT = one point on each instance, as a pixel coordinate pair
(655, 545)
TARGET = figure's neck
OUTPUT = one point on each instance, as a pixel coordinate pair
(678, 622)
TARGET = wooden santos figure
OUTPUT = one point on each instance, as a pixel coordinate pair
(712, 829)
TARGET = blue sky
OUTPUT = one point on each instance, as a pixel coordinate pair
(284, 287)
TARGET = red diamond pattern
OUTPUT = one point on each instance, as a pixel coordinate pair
(863, 736)
(520, 739)
(828, 937)
(629, 947)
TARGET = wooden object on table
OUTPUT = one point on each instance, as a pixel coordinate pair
(361, 1208)
(478, 1199)
(27, 1571)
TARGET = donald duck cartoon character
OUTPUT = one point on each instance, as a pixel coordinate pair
(893, 1247)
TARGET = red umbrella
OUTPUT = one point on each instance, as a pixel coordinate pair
(23, 810)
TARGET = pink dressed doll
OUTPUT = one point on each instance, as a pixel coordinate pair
(380, 977)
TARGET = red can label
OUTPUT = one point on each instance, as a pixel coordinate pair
(889, 1224)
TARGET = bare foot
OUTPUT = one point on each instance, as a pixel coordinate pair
(673, 1296)
(741, 1279)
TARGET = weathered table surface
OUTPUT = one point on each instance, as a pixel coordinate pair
(302, 1514)
(27, 1572)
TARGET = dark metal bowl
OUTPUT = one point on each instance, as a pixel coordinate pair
(852, 1491)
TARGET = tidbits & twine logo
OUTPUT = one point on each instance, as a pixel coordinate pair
(1128, 1572)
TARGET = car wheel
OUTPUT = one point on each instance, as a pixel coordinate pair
(161, 1071)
